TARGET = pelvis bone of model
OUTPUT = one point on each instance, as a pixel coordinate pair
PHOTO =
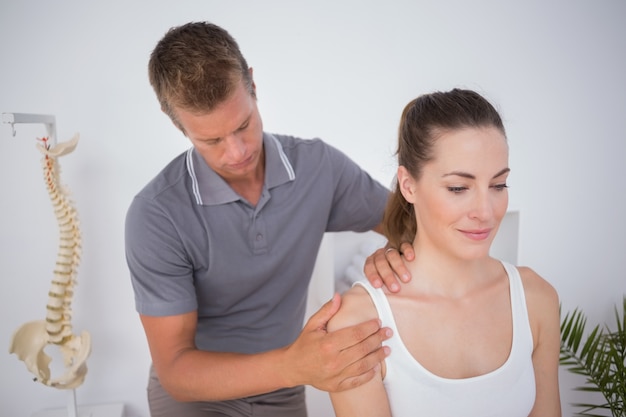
(30, 340)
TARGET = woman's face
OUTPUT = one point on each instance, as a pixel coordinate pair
(461, 196)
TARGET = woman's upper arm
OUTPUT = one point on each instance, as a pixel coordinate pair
(369, 399)
(543, 309)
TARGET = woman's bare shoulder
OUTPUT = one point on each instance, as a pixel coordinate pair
(542, 299)
(356, 307)
(537, 286)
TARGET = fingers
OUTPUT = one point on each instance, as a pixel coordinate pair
(364, 370)
(385, 265)
(320, 319)
(360, 361)
(406, 249)
(357, 352)
(394, 259)
(335, 360)
(366, 336)
(376, 265)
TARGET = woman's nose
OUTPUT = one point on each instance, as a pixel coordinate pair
(482, 208)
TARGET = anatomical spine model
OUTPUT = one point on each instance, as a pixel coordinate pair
(30, 339)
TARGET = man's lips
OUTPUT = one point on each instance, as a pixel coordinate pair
(243, 163)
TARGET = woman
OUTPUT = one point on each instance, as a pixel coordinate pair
(473, 336)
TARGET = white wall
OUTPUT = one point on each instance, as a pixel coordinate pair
(338, 70)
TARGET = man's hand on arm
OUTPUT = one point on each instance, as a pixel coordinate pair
(338, 360)
(385, 265)
(329, 361)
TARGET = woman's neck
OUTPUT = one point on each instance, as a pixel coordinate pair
(442, 273)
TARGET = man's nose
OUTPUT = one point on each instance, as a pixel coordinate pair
(236, 147)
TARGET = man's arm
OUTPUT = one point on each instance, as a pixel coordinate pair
(385, 265)
(329, 361)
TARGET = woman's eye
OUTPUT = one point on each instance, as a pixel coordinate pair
(457, 190)
(500, 187)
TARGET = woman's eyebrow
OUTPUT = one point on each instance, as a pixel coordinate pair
(460, 174)
(502, 172)
(472, 176)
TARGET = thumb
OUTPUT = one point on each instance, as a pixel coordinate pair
(319, 320)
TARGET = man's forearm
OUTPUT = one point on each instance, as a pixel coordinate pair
(216, 376)
(328, 361)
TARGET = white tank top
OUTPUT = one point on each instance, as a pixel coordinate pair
(507, 391)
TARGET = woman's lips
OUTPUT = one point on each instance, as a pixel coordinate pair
(481, 234)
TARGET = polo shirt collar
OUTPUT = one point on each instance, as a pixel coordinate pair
(210, 189)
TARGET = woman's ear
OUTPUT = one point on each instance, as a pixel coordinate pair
(406, 183)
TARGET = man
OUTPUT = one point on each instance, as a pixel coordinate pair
(221, 245)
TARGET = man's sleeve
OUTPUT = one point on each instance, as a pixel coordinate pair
(358, 201)
(160, 272)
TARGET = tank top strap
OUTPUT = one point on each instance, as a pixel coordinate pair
(519, 311)
(381, 303)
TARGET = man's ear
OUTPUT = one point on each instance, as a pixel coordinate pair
(178, 126)
(253, 86)
(406, 184)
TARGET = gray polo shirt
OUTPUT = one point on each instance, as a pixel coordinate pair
(192, 243)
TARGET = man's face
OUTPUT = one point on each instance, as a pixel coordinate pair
(230, 137)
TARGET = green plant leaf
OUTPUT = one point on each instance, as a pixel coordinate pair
(600, 358)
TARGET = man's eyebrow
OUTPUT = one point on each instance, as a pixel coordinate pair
(208, 139)
(246, 121)
(472, 176)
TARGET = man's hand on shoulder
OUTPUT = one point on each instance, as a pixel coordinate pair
(386, 267)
